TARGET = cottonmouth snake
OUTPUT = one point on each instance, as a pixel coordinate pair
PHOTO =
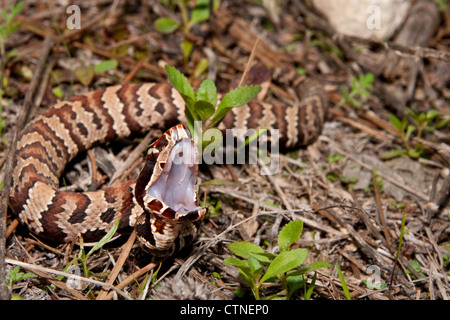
(56, 136)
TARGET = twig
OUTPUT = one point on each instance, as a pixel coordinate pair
(133, 72)
(250, 60)
(118, 266)
(94, 173)
(66, 275)
(12, 227)
(132, 278)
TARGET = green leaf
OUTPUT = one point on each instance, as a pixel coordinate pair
(415, 154)
(395, 121)
(12, 27)
(245, 274)
(443, 123)
(409, 131)
(181, 83)
(105, 66)
(200, 13)
(10, 278)
(58, 92)
(186, 46)
(354, 83)
(207, 92)
(374, 286)
(315, 266)
(293, 284)
(255, 267)
(235, 98)
(244, 249)
(365, 93)
(290, 234)
(85, 74)
(264, 257)
(345, 93)
(366, 80)
(105, 238)
(27, 275)
(395, 153)
(311, 287)
(433, 114)
(13, 53)
(355, 102)
(201, 68)
(343, 283)
(204, 109)
(166, 25)
(284, 262)
(235, 262)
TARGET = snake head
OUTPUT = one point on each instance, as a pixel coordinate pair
(167, 184)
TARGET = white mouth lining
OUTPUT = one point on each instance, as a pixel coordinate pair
(176, 185)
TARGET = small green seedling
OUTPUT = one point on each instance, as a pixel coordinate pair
(7, 26)
(201, 105)
(447, 259)
(359, 88)
(201, 12)
(426, 121)
(259, 266)
(15, 276)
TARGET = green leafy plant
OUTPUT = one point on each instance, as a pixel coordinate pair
(447, 259)
(398, 206)
(15, 276)
(214, 207)
(7, 26)
(259, 266)
(359, 88)
(201, 12)
(201, 105)
(335, 158)
(426, 121)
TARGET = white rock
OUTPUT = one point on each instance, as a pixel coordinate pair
(364, 18)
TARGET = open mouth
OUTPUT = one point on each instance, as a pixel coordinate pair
(176, 184)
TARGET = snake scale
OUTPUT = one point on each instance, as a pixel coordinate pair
(161, 215)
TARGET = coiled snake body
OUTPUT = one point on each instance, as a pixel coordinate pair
(155, 205)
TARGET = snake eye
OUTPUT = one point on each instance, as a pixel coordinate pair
(152, 154)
